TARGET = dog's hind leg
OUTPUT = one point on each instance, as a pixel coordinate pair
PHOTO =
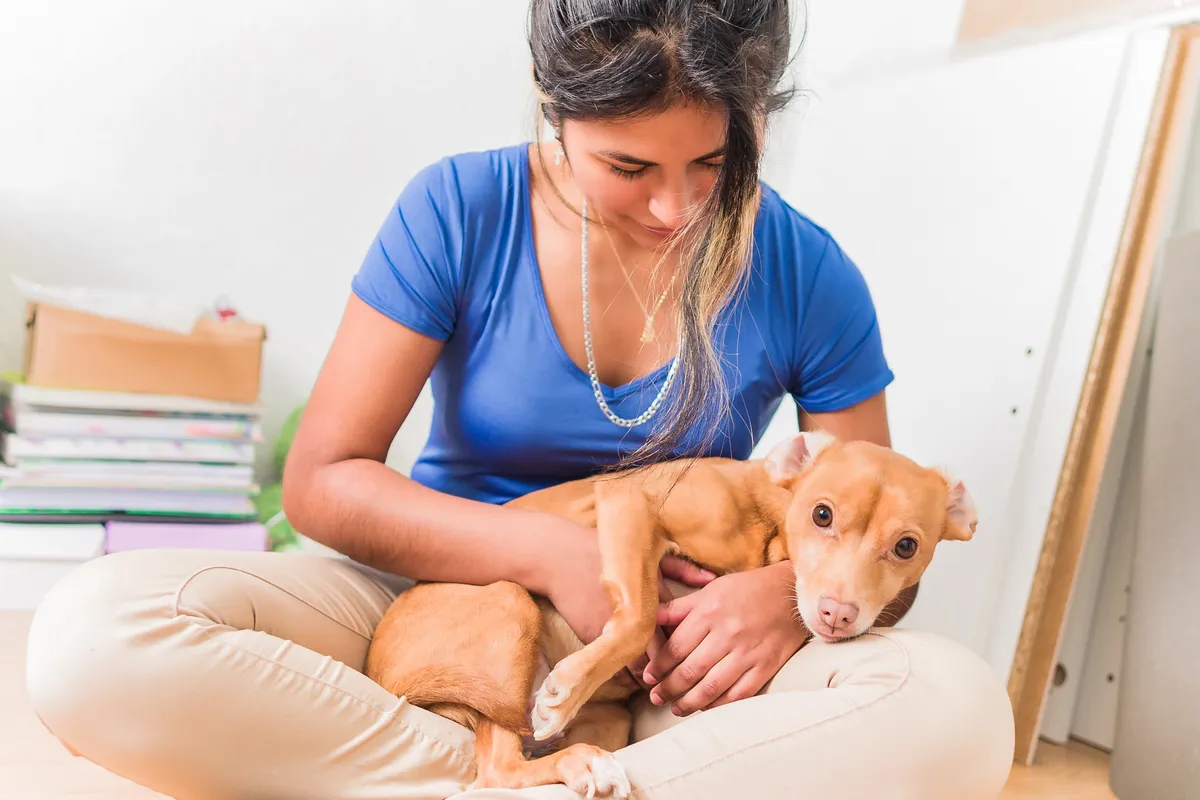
(630, 549)
(585, 768)
(605, 725)
(448, 647)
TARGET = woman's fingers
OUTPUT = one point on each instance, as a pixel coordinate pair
(675, 611)
(705, 675)
(750, 684)
(638, 667)
(689, 631)
(683, 662)
(685, 572)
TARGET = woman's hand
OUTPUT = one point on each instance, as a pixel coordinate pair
(681, 571)
(575, 588)
(730, 638)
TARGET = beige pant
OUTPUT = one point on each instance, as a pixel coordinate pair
(233, 675)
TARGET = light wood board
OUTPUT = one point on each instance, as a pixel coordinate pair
(982, 19)
(1104, 390)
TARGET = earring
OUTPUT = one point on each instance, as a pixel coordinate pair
(558, 154)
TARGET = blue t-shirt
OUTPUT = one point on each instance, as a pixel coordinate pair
(455, 260)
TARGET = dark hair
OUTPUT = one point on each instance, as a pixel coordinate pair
(622, 59)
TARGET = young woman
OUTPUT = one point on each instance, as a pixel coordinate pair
(626, 291)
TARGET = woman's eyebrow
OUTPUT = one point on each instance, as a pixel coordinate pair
(617, 155)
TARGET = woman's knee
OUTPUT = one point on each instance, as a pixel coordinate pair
(84, 644)
(928, 711)
(957, 712)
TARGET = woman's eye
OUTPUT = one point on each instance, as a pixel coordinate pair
(906, 548)
(822, 516)
(628, 174)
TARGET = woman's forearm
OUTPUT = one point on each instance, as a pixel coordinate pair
(376, 516)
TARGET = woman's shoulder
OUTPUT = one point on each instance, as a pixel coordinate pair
(820, 315)
(447, 231)
(792, 236)
(795, 257)
(474, 177)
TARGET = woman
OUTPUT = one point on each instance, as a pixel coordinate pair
(625, 292)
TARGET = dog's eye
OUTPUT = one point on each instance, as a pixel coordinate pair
(906, 548)
(822, 516)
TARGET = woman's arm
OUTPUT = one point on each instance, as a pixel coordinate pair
(864, 422)
(338, 491)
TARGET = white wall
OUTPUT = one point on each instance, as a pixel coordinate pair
(843, 38)
(253, 148)
(241, 148)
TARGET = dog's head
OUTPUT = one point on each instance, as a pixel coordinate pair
(862, 526)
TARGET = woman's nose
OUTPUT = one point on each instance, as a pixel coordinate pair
(672, 204)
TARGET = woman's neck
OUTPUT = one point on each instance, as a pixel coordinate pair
(611, 247)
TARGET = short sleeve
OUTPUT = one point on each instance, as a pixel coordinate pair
(840, 359)
(412, 270)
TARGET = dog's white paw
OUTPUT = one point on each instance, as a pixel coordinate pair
(611, 777)
(550, 694)
(549, 717)
(605, 777)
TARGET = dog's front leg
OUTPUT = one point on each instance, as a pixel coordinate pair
(631, 547)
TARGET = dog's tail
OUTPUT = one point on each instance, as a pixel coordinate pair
(452, 685)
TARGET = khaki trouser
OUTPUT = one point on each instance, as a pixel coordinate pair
(236, 675)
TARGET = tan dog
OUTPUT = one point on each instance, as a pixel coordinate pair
(859, 522)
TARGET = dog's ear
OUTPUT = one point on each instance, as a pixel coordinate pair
(788, 459)
(961, 514)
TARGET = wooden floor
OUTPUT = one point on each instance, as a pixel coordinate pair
(1073, 772)
(34, 765)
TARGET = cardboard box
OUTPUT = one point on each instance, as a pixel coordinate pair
(69, 349)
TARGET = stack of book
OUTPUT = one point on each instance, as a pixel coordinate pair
(89, 456)
(148, 439)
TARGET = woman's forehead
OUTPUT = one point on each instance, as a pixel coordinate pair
(680, 133)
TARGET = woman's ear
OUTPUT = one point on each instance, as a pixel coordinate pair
(788, 459)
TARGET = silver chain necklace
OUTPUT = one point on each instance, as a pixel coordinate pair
(591, 358)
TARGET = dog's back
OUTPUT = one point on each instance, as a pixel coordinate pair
(721, 513)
